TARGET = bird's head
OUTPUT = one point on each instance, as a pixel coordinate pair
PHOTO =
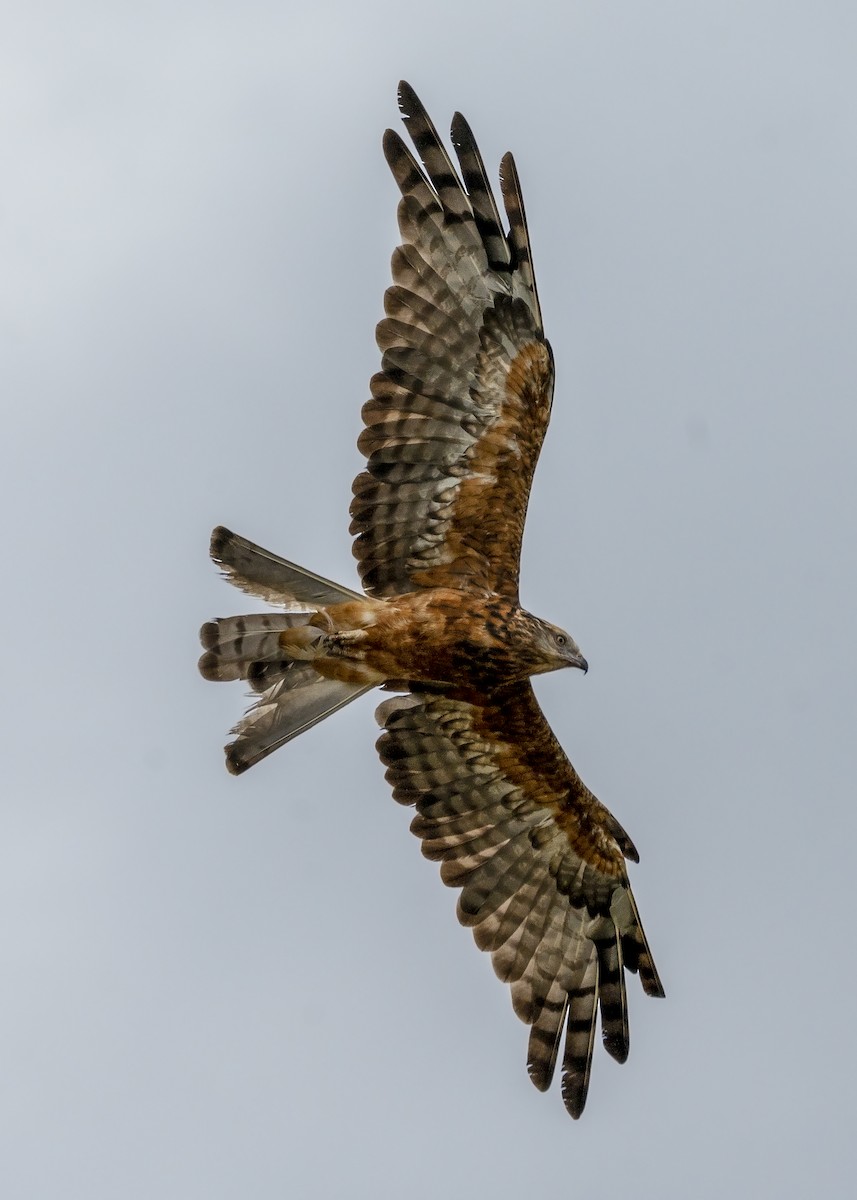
(559, 648)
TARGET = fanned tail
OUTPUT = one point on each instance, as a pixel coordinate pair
(239, 647)
(273, 651)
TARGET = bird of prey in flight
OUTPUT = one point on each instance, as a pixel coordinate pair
(453, 429)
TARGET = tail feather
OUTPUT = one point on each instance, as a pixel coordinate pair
(236, 646)
(289, 708)
(273, 651)
(266, 575)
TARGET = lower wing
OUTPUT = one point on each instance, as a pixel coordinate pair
(540, 863)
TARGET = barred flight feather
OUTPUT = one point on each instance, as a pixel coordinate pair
(533, 926)
(612, 999)
(459, 347)
(546, 1034)
(579, 1039)
(555, 926)
(481, 197)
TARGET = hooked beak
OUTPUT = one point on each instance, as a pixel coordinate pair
(575, 659)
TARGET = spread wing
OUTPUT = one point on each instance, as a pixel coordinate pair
(460, 408)
(540, 863)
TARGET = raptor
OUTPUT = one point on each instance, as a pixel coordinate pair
(453, 430)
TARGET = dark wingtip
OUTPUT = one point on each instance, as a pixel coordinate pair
(459, 130)
(653, 987)
(406, 97)
(616, 1046)
(541, 1075)
(629, 850)
(392, 146)
(507, 169)
(574, 1097)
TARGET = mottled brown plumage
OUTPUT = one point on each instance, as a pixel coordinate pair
(452, 435)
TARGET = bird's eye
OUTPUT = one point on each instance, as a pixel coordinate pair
(561, 639)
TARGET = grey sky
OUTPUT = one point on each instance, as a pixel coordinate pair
(257, 987)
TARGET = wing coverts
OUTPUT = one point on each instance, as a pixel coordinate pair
(514, 827)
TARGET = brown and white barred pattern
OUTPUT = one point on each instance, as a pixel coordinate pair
(460, 408)
(539, 862)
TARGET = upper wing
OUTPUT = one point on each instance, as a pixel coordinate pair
(540, 862)
(460, 408)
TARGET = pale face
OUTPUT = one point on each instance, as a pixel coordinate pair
(561, 650)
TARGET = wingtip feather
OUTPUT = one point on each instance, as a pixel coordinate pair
(617, 1046)
(574, 1093)
(407, 98)
(392, 144)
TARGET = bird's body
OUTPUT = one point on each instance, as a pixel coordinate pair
(452, 436)
(438, 637)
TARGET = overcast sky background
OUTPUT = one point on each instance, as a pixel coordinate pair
(256, 987)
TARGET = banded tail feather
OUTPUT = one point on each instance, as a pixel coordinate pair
(235, 646)
(273, 651)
